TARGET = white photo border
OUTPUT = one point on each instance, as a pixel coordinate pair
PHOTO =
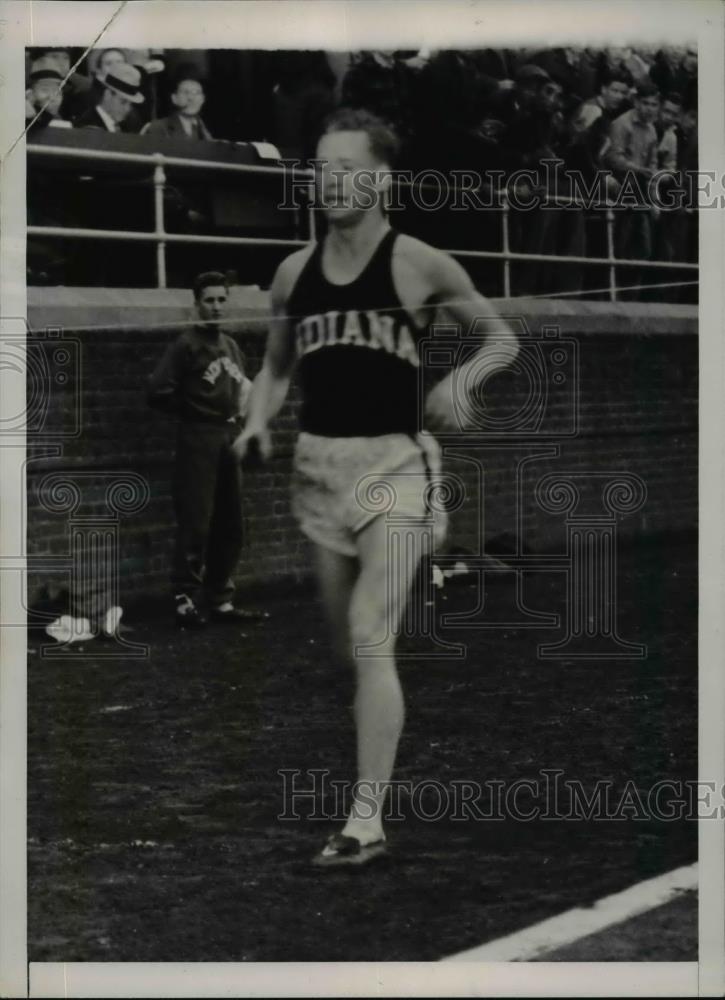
(336, 25)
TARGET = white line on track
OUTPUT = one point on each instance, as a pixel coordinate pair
(537, 940)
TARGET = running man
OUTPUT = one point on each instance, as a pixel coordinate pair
(350, 312)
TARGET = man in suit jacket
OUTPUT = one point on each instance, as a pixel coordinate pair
(43, 97)
(76, 87)
(185, 123)
(106, 62)
(121, 90)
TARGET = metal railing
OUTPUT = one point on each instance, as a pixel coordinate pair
(161, 237)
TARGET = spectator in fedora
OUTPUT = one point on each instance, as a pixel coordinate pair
(105, 61)
(44, 97)
(108, 60)
(121, 91)
(97, 67)
(76, 87)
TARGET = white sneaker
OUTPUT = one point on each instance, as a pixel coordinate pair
(68, 629)
(112, 620)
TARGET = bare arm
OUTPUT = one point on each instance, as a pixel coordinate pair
(459, 297)
(270, 387)
(478, 319)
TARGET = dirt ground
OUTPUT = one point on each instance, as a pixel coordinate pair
(154, 791)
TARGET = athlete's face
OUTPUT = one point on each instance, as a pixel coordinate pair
(348, 176)
(212, 303)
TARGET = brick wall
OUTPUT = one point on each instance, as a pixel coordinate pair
(637, 372)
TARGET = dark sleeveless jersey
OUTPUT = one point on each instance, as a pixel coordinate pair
(357, 349)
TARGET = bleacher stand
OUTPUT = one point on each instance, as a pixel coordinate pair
(478, 111)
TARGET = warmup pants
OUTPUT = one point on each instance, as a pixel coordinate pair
(208, 504)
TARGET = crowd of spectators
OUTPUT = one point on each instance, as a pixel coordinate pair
(119, 93)
(613, 116)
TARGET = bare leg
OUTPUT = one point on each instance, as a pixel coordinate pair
(364, 600)
(336, 576)
(377, 604)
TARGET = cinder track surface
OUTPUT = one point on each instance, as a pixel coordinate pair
(154, 793)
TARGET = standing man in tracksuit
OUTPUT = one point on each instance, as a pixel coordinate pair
(200, 379)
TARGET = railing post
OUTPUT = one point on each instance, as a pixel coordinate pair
(159, 186)
(505, 244)
(609, 215)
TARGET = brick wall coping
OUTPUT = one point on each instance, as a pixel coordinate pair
(84, 307)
